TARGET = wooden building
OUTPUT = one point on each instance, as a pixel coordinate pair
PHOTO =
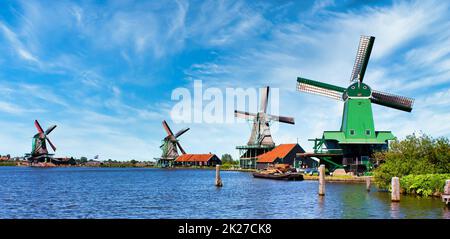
(5, 158)
(282, 154)
(197, 160)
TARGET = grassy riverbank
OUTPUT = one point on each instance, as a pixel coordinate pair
(8, 163)
(340, 179)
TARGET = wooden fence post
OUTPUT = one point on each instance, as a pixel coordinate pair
(322, 180)
(395, 184)
(447, 187)
(218, 179)
(446, 194)
(368, 184)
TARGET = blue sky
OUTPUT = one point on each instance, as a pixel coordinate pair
(104, 71)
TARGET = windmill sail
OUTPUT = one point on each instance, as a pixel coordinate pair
(244, 115)
(282, 119)
(38, 127)
(362, 58)
(51, 144)
(179, 133)
(166, 128)
(181, 149)
(50, 129)
(264, 92)
(320, 88)
(393, 101)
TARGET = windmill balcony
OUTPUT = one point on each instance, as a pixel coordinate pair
(328, 151)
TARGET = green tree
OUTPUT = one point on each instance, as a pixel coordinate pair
(133, 161)
(413, 155)
(83, 160)
(227, 158)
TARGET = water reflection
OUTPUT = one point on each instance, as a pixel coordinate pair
(395, 210)
(446, 212)
(320, 206)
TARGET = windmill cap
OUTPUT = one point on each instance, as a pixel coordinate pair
(359, 89)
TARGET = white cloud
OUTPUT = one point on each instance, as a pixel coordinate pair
(42, 93)
(321, 4)
(17, 44)
(219, 23)
(10, 108)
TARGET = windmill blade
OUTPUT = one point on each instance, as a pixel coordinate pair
(282, 119)
(166, 127)
(264, 94)
(393, 101)
(181, 149)
(319, 88)
(362, 58)
(50, 142)
(179, 133)
(244, 115)
(38, 127)
(50, 129)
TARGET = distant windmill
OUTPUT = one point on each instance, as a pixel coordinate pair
(357, 138)
(39, 150)
(170, 146)
(261, 120)
(260, 138)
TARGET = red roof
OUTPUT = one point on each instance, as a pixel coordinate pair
(194, 157)
(4, 158)
(279, 152)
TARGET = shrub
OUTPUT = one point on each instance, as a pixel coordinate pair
(425, 184)
(228, 165)
(414, 155)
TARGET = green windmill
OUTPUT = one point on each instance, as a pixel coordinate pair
(170, 146)
(352, 146)
(39, 151)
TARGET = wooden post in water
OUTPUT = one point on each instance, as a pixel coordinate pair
(368, 184)
(322, 180)
(395, 184)
(218, 179)
(447, 187)
(446, 194)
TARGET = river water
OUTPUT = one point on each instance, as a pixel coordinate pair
(186, 193)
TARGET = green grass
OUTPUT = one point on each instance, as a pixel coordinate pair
(8, 163)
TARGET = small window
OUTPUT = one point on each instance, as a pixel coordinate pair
(352, 132)
(367, 131)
